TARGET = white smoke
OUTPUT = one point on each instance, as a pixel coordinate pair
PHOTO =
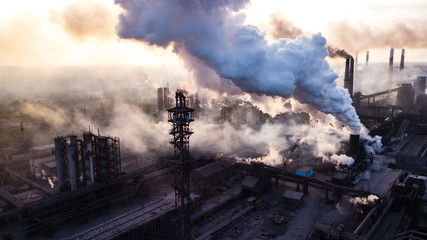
(342, 159)
(371, 198)
(372, 145)
(213, 32)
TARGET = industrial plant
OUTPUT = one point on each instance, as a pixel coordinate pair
(201, 119)
(101, 187)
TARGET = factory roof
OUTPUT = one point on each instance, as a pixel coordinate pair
(43, 147)
(250, 181)
(340, 176)
(44, 159)
(127, 221)
(50, 164)
(415, 145)
(304, 169)
(211, 169)
(292, 195)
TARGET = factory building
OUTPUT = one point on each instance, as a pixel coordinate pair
(81, 162)
(213, 173)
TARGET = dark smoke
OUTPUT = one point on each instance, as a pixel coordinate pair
(214, 33)
(335, 52)
(282, 27)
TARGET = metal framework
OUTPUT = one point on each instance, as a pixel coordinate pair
(290, 153)
(107, 158)
(61, 163)
(181, 116)
(83, 162)
(114, 154)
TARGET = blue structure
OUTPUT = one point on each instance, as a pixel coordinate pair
(305, 171)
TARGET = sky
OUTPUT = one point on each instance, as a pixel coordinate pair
(82, 32)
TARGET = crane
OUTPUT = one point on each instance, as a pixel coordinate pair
(291, 151)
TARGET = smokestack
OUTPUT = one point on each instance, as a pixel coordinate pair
(390, 67)
(420, 85)
(367, 58)
(160, 103)
(72, 161)
(22, 134)
(354, 143)
(402, 60)
(166, 97)
(351, 77)
(59, 156)
(349, 74)
(88, 142)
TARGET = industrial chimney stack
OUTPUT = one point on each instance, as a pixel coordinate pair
(349, 75)
(402, 60)
(354, 143)
(22, 134)
(390, 67)
(367, 58)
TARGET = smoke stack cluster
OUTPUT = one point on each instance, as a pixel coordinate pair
(80, 162)
(349, 75)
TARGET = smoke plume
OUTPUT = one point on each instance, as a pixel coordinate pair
(335, 52)
(281, 27)
(371, 198)
(214, 33)
(359, 37)
(86, 20)
(342, 159)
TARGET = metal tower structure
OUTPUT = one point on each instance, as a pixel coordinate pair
(181, 116)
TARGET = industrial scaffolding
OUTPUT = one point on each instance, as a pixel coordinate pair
(81, 162)
(181, 116)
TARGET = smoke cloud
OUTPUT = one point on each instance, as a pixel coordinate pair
(371, 198)
(86, 20)
(281, 27)
(214, 33)
(342, 159)
(359, 37)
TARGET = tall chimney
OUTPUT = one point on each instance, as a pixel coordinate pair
(351, 77)
(72, 162)
(402, 60)
(390, 67)
(60, 167)
(349, 74)
(354, 143)
(22, 134)
(160, 103)
(420, 85)
(367, 58)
